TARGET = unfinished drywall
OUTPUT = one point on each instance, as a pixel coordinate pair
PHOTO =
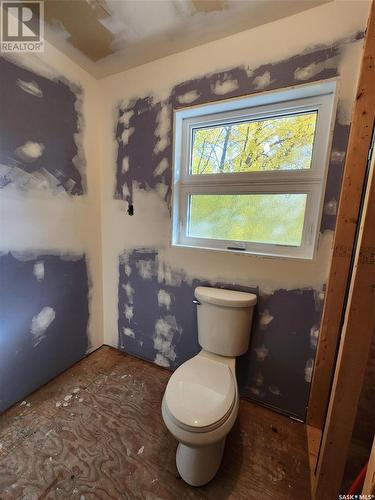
(40, 132)
(44, 317)
(144, 128)
(118, 35)
(157, 320)
(50, 265)
(136, 127)
(156, 312)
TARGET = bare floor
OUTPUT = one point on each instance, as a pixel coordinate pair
(96, 432)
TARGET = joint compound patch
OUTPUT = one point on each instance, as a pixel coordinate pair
(40, 323)
(265, 318)
(261, 352)
(38, 270)
(145, 269)
(30, 87)
(262, 81)
(337, 156)
(314, 69)
(165, 329)
(125, 118)
(162, 167)
(126, 135)
(309, 370)
(255, 391)
(162, 189)
(162, 361)
(129, 292)
(163, 128)
(274, 390)
(30, 151)
(125, 164)
(129, 333)
(330, 207)
(259, 379)
(188, 97)
(129, 312)
(164, 299)
(314, 336)
(225, 87)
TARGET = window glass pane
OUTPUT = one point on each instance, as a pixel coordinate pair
(258, 218)
(278, 143)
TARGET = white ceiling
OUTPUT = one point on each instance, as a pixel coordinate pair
(108, 36)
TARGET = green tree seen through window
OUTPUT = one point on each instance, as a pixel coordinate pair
(280, 143)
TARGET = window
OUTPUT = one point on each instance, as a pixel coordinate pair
(249, 173)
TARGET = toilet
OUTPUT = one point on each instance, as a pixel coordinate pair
(200, 403)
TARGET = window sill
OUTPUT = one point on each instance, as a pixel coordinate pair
(247, 253)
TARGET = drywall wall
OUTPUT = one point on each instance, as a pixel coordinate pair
(147, 284)
(44, 314)
(50, 256)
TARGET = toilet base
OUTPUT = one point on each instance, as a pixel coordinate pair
(198, 465)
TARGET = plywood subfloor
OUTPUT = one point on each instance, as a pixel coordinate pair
(96, 432)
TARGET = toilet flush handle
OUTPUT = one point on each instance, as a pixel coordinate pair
(196, 301)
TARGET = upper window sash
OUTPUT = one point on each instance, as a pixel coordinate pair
(184, 140)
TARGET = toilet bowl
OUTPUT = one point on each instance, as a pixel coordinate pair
(200, 403)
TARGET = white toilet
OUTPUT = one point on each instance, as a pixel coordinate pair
(200, 404)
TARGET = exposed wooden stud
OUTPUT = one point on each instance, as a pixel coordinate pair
(314, 436)
(347, 218)
(313, 442)
(352, 357)
(369, 485)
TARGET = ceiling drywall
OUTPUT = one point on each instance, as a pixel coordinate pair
(108, 36)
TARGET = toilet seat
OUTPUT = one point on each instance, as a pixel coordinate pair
(200, 394)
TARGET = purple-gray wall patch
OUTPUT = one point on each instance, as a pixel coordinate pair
(157, 319)
(44, 314)
(157, 322)
(276, 369)
(40, 129)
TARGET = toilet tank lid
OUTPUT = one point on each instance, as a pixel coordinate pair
(223, 297)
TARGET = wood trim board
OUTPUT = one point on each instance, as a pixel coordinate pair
(346, 226)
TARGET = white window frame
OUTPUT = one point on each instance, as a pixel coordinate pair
(320, 97)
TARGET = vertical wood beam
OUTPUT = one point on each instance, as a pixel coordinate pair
(369, 484)
(357, 332)
(347, 218)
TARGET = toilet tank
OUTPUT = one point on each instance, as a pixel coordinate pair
(224, 320)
